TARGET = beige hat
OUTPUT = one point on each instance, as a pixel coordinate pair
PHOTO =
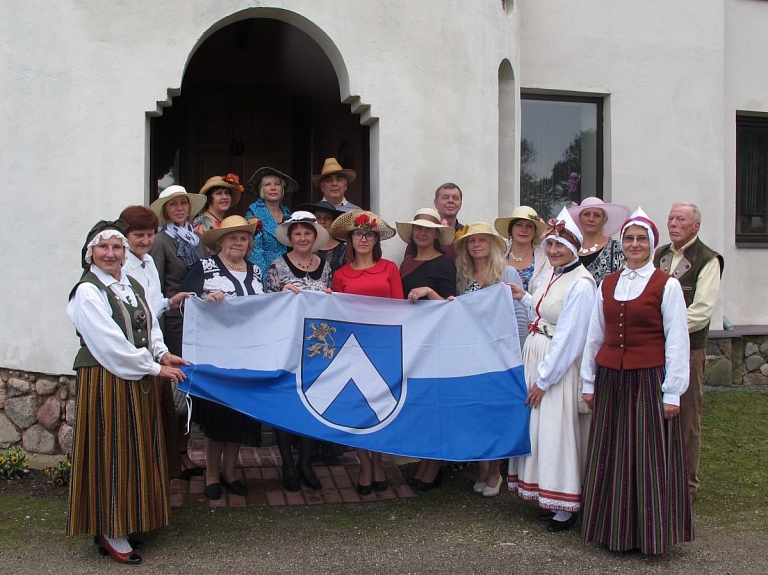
(478, 228)
(230, 181)
(332, 166)
(428, 218)
(522, 213)
(229, 225)
(362, 220)
(302, 217)
(196, 201)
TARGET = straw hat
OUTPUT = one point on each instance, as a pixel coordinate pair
(427, 218)
(300, 216)
(253, 184)
(332, 166)
(526, 213)
(616, 214)
(230, 182)
(196, 201)
(229, 225)
(478, 228)
(362, 220)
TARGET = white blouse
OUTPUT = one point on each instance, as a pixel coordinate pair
(145, 272)
(90, 312)
(677, 347)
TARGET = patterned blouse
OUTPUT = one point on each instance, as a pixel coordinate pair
(608, 260)
(282, 272)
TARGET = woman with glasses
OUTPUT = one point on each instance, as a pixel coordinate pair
(366, 274)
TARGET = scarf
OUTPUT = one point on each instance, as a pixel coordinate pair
(187, 239)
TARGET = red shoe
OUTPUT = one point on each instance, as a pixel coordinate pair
(129, 558)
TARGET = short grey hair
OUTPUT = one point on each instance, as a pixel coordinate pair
(694, 209)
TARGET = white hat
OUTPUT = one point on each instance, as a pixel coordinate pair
(564, 230)
(640, 218)
(301, 217)
(196, 201)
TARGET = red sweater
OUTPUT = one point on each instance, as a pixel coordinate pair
(380, 280)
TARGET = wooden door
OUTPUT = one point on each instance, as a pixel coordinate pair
(236, 131)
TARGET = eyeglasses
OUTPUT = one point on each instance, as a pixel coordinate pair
(358, 235)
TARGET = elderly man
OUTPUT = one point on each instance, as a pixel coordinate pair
(333, 181)
(698, 269)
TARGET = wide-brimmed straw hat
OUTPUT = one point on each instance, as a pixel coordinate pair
(230, 182)
(525, 213)
(302, 217)
(427, 218)
(321, 206)
(478, 228)
(196, 201)
(229, 225)
(616, 214)
(332, 166)
(253, 184)
(362, 220)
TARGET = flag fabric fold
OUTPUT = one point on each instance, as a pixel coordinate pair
(438, 379)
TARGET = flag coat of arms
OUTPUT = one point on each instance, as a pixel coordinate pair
(438, 379)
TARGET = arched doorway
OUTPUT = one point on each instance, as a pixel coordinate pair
(259, 92)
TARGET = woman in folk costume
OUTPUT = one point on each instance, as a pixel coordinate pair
(119, 482)
(635, 368)
(559, 309)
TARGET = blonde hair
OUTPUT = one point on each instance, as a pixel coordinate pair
(275, 178)
(465, 265)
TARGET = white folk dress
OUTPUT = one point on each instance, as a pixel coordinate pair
(553, 472)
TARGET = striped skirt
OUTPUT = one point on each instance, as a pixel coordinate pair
(635, 488)
(119, 482)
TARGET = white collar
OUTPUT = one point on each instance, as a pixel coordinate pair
(107, 279)
(644, 271)
(134, 262)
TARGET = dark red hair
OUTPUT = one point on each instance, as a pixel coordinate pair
(139, 218)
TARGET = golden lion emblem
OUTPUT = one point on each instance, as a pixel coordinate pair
(325, 343)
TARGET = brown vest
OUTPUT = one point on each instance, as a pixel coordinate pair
(634, 329)
(687, 273)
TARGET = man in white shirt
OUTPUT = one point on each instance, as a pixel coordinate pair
(333, 181)
(698, 269)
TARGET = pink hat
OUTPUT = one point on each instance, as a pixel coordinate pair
(616, 214)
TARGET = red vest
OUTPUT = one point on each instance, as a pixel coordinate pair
(634, 329)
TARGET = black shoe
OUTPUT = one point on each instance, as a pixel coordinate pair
(546, 516)
(434, 484)
(310, 478)
(212, 491)
(237, 487)
(380, 485)
(364, 489)
(556, 526)
(412, 481)
(291, 483)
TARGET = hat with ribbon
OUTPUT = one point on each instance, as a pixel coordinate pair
(426, 218)
(228, 225)
(282, 233)
(640, 218)
(564, 230)
(525, 213)
(615, 214)
(254, 183)
(478, 228)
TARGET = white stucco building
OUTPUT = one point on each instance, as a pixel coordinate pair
(101, 101)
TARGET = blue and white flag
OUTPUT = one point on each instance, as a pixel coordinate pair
(438, 379)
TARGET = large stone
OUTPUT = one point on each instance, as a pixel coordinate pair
(22, 411)
(37, 439)
(753, 362)
(2, 397)
(70, 413)
(713, 349)
(49, 414)
(755, 379)
(63, 393)
(17, 387)
(65, 438)
(46, 386)
(8, 432)
(764, 369)
(764, 347)
(718, 372)
(751, 349)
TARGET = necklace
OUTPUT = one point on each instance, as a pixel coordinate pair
(233, 267)
(515, 258)
(591, 250)
(301, 265)
(214, 216)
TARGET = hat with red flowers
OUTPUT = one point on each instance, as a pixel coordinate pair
(362, 220)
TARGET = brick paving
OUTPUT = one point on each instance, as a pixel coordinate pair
(260, 468)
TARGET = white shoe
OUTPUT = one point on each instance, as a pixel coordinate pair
(489, 491)
(479, 486)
